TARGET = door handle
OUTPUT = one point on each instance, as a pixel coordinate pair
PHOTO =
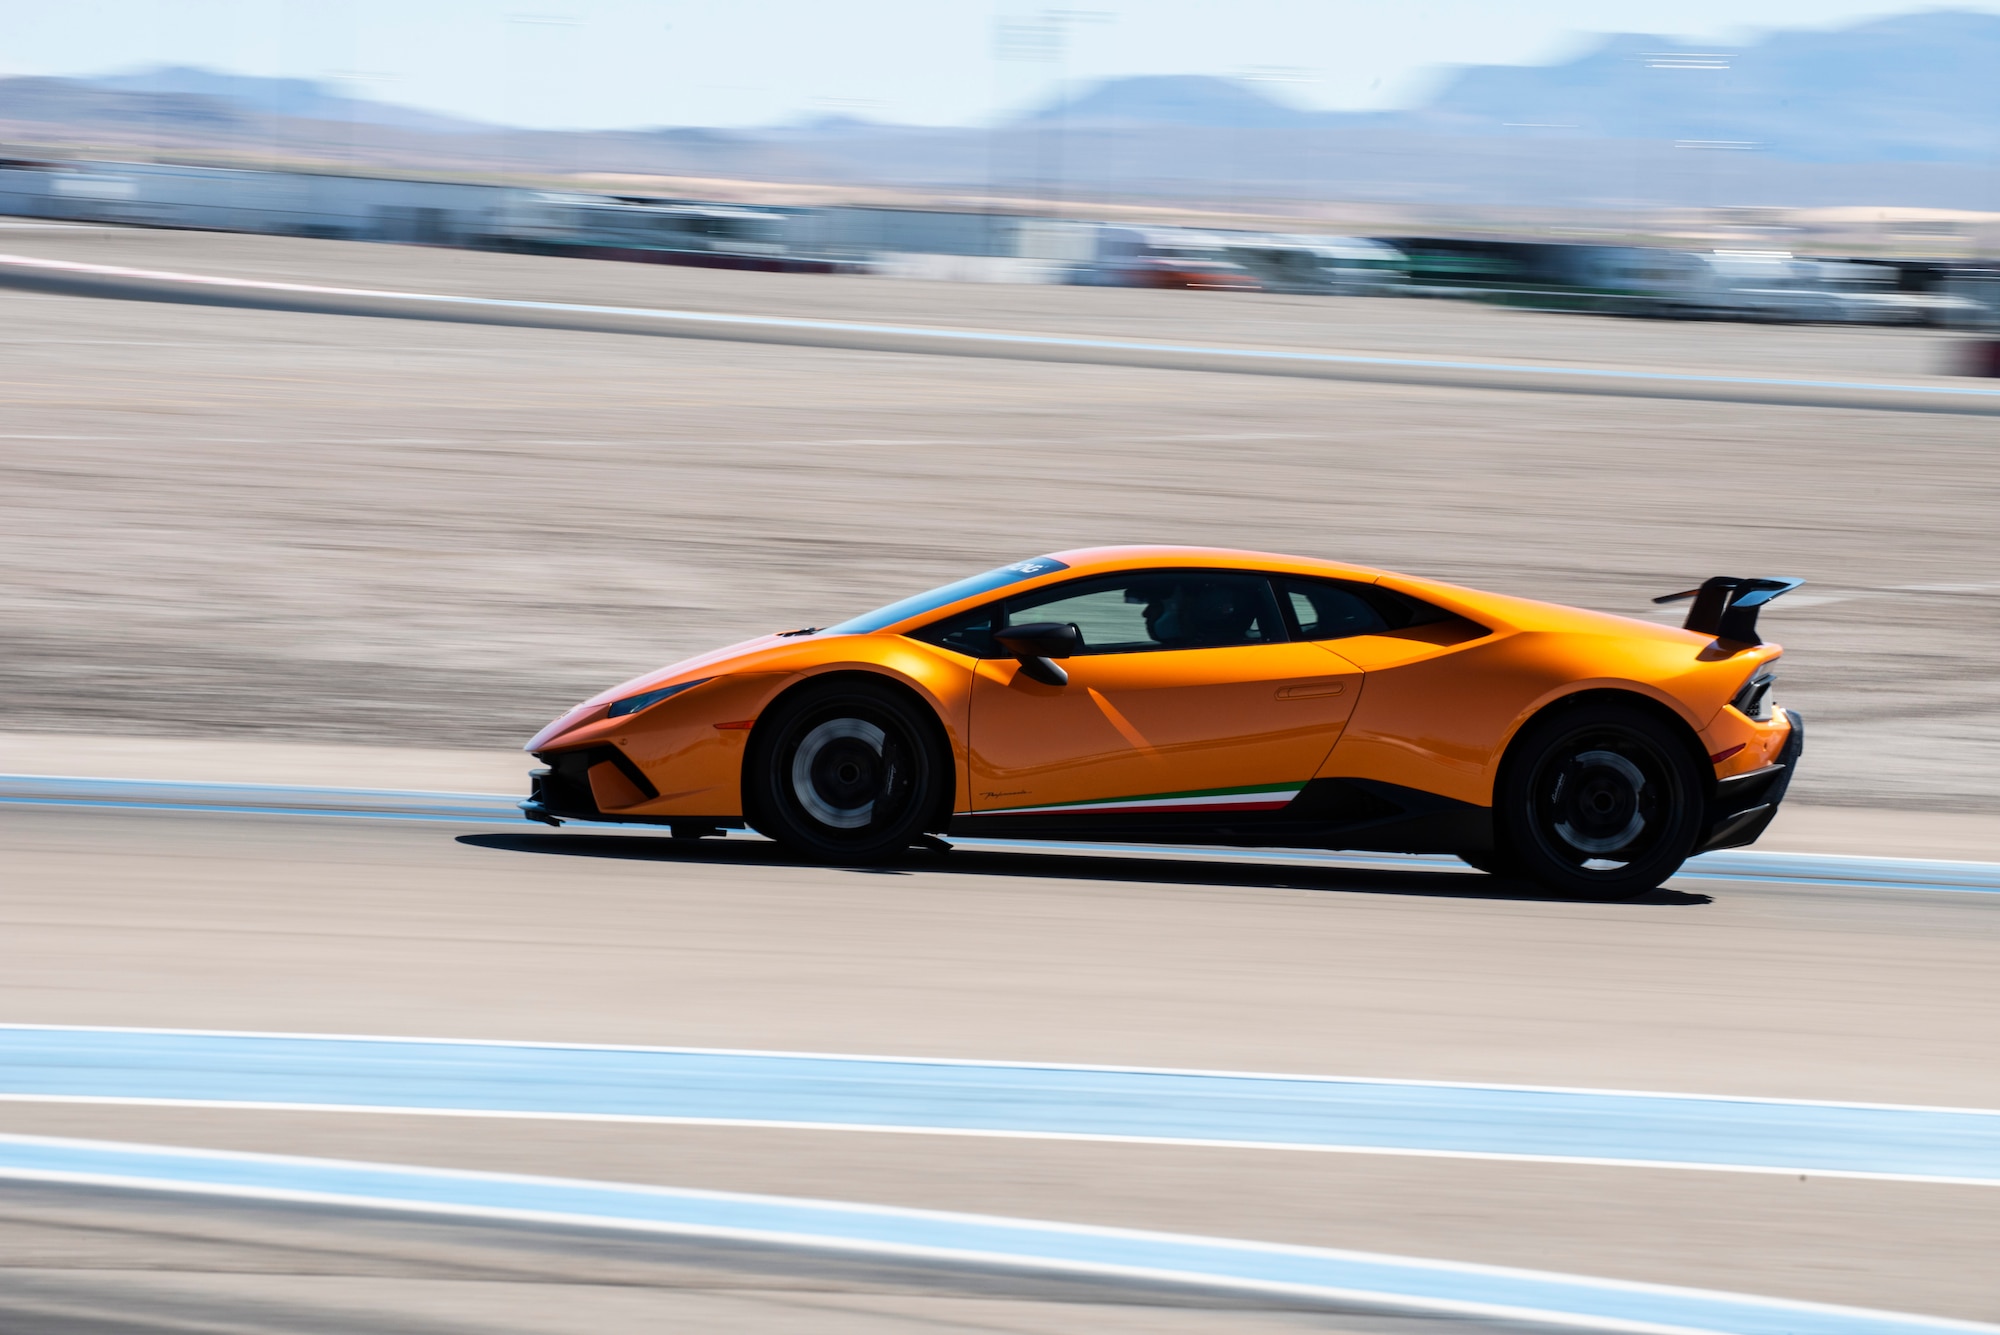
(1306, 690)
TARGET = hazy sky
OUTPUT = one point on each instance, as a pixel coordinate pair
(744, 62)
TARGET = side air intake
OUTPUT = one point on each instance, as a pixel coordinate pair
(1726, 606)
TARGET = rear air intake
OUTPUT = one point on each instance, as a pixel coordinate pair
(1754, 700)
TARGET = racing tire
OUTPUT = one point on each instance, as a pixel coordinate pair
(1602, 801)
(851, 772)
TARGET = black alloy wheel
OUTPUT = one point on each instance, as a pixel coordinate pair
(1598, 801)
(850, 772)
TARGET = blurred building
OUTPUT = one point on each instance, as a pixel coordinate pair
(222, 199)
(959, 246)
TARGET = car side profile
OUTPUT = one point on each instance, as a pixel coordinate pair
(1200, 696)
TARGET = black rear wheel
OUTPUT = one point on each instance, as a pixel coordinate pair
(1600, 801)
(848, 772)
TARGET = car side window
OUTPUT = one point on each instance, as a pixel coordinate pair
(1129, 613)
(1324, 609)
(969, 633)
(1100, 611)
(1145, 611)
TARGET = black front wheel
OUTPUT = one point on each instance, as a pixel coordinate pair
(1599, 801)
(849, 772)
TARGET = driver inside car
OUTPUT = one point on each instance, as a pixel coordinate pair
(1190, 614)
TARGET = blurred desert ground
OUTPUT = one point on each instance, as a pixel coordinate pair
(271, 527)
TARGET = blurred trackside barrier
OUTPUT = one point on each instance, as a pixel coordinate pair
(133, 284)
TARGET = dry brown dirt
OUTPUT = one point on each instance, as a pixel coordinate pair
(223, 521)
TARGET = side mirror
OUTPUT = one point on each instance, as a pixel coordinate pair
(1037, 644)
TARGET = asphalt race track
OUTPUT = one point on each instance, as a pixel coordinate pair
(161, 1263)
(1770, 1089)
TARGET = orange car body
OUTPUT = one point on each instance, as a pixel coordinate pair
(1406, 729)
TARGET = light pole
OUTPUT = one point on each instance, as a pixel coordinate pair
(1045, 38)
(1693, 60)
(528, 21)
(1275, 74)
(357, 83)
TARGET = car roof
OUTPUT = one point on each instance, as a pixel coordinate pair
(1082, 562)
(1486, 608)
(1096, 560)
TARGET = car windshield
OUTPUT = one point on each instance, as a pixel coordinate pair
(945, 596)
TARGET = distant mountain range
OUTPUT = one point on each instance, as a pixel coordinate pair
(1902, 110)
(1191, 100)
(1914, 88)
(303, 98)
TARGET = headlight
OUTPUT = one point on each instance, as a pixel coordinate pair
(1754, 700)
(632, 704)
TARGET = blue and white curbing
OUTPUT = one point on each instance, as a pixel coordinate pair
(1017, 1100)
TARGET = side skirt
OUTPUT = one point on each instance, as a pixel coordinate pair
(1358, 814)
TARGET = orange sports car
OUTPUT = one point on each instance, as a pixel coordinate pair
(1197, 696)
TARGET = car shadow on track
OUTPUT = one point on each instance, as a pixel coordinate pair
(1081, 866)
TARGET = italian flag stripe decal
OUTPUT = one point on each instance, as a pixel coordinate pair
(1254, 797)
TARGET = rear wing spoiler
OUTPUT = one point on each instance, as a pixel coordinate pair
(1726, 606)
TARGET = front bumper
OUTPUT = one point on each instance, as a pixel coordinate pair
(567, 788)
(1745, 804)
(565, 791)
(536, 805)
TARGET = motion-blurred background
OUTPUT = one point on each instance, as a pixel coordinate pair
(436, 534)
(899, 135)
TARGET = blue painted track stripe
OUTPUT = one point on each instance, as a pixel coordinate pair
(1397, 1282)
(886, 1094)
(1832, 871)
(1002, 338)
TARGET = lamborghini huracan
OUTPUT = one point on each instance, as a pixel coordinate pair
(1196, 696)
